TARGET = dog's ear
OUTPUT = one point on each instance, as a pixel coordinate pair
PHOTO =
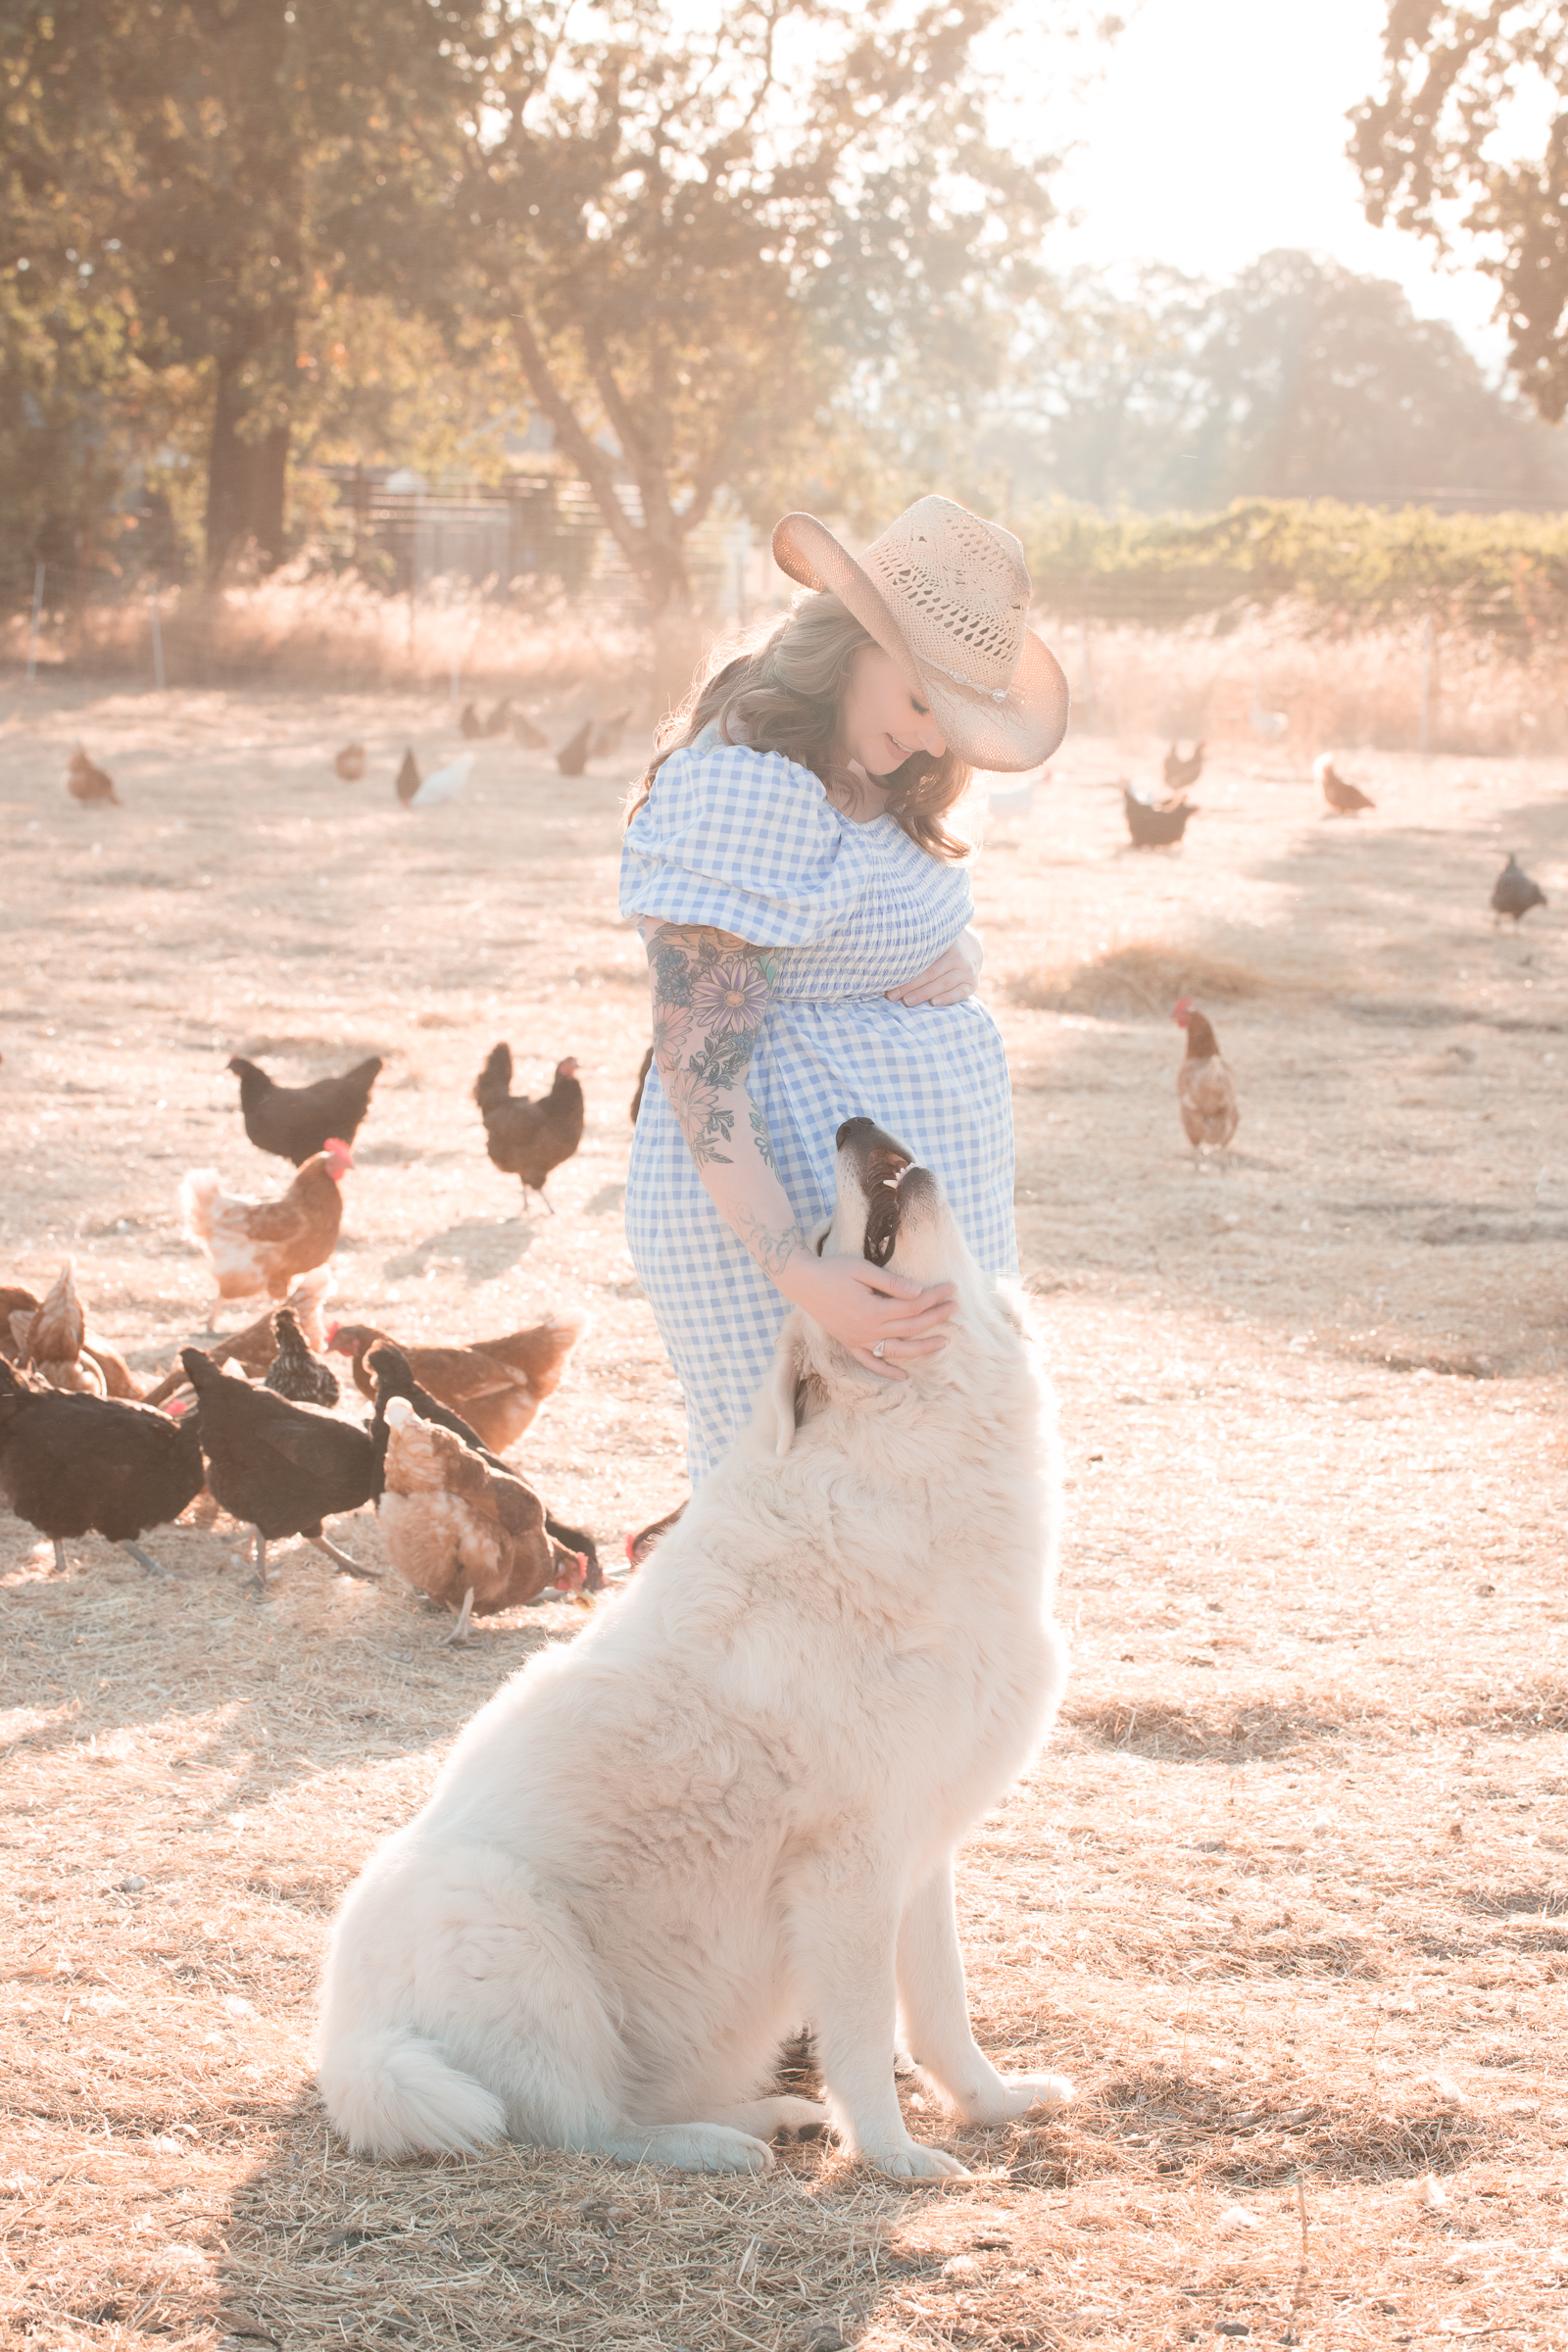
(785, 1378)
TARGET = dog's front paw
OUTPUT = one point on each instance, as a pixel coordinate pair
(917, 2163)
(1022, 2094)
(798, 2119)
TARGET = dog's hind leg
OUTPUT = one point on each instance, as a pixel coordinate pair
(842, 1924)
(935, 2014)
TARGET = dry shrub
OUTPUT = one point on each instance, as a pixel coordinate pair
(298, 628)
(1144, 975)
(1357, 688)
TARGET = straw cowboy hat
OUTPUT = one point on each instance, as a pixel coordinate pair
(946, 594)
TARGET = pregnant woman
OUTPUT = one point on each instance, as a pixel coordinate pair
(807, 923)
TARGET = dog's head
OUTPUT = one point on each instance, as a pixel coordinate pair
(893, 1213)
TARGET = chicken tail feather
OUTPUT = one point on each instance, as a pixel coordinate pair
(199, 1191)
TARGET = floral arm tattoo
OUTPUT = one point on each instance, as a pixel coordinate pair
(710, 996)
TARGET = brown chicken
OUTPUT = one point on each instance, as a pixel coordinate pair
(25, 1321)
(407, 779)
(524, 1139)
(350, 762)
(255, 1349)
(1344, 800)
(265, 1245)
(1205, 1088)
(1152, 828)
(461, 1531)
(84, 782)
(497, 1386)
(17, 1310)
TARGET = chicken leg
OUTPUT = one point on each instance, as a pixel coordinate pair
(460, 1632)
(143, 1560)
(340, 1559)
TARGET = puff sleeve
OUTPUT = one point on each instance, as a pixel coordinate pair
(745, 841)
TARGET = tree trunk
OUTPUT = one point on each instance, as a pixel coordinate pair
(245, 476)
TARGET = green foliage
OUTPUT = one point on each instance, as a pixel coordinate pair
(1504, 576)
(1298, 379)
(1435, 152)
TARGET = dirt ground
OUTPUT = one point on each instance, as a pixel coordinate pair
(1288, 1892)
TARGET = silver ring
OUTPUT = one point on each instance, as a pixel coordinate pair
(880, 1348)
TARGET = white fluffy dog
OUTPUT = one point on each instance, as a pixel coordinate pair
(732, 1802)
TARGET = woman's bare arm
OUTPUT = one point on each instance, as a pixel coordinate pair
(710, 995)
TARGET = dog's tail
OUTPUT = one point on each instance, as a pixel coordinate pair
(392, 2093)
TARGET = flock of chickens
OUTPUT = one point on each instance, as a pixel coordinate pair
(249, 1419)
(595, 739)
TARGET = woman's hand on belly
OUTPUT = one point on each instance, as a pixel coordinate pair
(949, 979)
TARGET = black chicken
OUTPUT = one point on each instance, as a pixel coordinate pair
(295, 1122)
(393, 1376)
(282, 1468)
(1513, 892)
(73, 1463)
(1155, 828)
(294, 1372)
(526, 1139)
(1182, 771)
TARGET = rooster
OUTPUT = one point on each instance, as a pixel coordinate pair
(282, 1468)
(1513, 892)
(525, 1139)
(295, 1122)
(1205, 1088)
(1344, 800)
(1181, 773)
(263, 1244)
(73, 1464)
(461, 1530)
(498, 1386)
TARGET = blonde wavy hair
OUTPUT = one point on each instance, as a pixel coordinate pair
(782, 694)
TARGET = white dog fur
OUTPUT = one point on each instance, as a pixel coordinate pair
(732, 1805)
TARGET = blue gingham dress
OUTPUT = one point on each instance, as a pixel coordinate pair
(750, 842)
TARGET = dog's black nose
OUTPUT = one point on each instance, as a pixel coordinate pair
(867, 1134)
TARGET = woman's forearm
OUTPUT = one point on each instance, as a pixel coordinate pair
(710, 995)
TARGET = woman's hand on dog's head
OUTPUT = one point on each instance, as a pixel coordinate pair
(857, 1304)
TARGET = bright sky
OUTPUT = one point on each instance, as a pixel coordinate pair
(1217, 130)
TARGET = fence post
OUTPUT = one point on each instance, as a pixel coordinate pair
(37, 615)
(158, 639)
(1426, 682)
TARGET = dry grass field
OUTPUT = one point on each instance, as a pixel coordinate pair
(1287, 1894)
